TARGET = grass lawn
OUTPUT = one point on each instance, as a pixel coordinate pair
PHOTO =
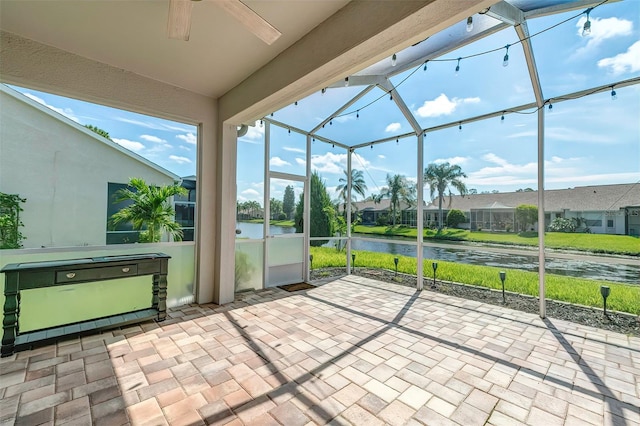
(283, 223)
(624, 298)
(596, 243)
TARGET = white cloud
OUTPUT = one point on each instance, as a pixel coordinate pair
(67, 112)
(566, 134)
(492, 158)
(393, 127)
(151, 138)
(382, 157)
(603, 29)
(188, 138)
(345, 118)
(442, 105)
(130, 145)
(278, 162)
(623, 62)
(301, 161)
(185, 148)
(526, 134)
(254, 135)
(291, 149)
(179, 160)
(251, 192)
(452, 160)
(152, 125)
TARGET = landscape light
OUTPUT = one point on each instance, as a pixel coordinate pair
(605, 292)
(353, 260)
(503, 276)
(395, 260)
(311, 261)
(434, 265)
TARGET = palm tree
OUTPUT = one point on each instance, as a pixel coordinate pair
(358, 186)
(151, 209)
(439, 177)
(398, 190)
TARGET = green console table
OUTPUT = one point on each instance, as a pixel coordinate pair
(34, 275)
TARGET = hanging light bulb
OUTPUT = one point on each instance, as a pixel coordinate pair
(505, 60)
(331, 122)
(313, 139)
(261, 123)
(550, 105)
(272, 114)
(425, 65)
(371, 145)
(458, 66)
(333, 145)
(394, 59)
(614, 95)
(586, 29)
(502, 119)
(390, 96)
(289, 130)
(470, 24)
(357, 114)
(296, 103)
(346, 82)
(397, 141)
(460, 126)
(324, 90)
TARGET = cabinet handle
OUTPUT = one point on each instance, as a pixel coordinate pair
(125, 269)
(71, 274)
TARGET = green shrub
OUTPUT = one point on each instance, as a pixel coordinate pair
(455, 217)
(561, 224)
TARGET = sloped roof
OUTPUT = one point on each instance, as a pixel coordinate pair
(89, 133)
(580, 198)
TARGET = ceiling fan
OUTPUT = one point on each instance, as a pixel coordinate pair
(179, 23)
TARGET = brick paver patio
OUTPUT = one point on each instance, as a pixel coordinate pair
(353, 351)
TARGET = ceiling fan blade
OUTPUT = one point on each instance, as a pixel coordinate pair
(250, 19)
(179, 23)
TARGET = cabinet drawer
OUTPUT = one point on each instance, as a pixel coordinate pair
(107, 273)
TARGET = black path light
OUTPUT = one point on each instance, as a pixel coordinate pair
(503, 276)
(395, 260)
(311, 261)
(435, 267)
(605, 291)
(353, 260)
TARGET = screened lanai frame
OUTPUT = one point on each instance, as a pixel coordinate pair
(504, 14)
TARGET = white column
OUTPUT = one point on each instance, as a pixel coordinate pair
(266, 202)
(307, 217)
(349, 154)
(419, 212)
(541, 227)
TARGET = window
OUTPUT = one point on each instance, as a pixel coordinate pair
(610, 223)
(123, 233)
(594, 222)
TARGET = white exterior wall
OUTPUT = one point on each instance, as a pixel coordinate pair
(618, 217)
(63, 173)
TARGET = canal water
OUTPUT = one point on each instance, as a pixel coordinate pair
(627, 274)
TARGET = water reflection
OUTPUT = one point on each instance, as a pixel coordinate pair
(629, 274)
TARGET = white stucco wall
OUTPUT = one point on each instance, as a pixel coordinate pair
(63, 172)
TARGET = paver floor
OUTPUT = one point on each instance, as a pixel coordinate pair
(353, 351)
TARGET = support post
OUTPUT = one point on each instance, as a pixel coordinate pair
(348, 209)
(419, 212)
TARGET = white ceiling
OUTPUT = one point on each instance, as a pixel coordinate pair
(131, 35)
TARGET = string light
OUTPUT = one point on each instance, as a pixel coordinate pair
(333, 145)
(371, 145)
(324, 90)
(296, 103)
(289, 130)
(586, 29)
(470, 24)
(390, 96)
(346, 82)
(614, 95)
(460, 126)
(331, 122)
(502, 119)
(424, 65)
(272, 114)
(550, 105)
(505, 60)
(397, 141)
(394, 60)
(261, 123)
(357, 114)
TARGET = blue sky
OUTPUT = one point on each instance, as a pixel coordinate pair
(589, 141)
